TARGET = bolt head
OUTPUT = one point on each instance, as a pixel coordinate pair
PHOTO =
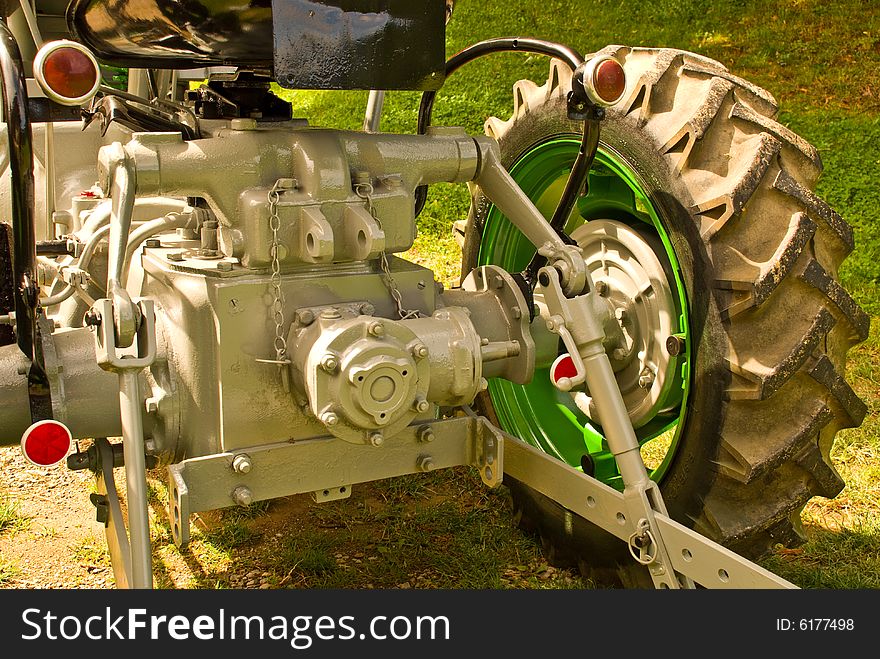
(376, 439)
(243, 496)
(422, 405)
(242, 464)
(674, 345)
(426, 434)
(646, 380)
(224, 266)
(305, 317)
(175, 256)
(620, 314)
(153, 242)
(619, 354)
(426, 463)
(329, 363)
(368, 309)
(376, 329)
(602, 288)
(329, 419)
(420, 350)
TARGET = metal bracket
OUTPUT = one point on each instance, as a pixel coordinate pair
(286, 468)
(690, 555)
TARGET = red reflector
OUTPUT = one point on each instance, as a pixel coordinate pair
(46, 443)
(563, 367)
(609, 81)
(67, 72)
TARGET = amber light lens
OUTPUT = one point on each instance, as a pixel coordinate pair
(69, 72)
(46, 443)
(609, 81)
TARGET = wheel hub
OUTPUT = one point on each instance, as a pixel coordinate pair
(631, 278)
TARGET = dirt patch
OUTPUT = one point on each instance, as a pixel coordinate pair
(58, 543)
(437, 530)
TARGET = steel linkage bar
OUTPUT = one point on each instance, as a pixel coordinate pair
(690, 554)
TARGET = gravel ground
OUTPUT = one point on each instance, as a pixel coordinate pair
(59, 544)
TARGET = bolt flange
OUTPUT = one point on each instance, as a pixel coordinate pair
(242, 464)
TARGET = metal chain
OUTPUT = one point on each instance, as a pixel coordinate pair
(280, 343)
(365, 192)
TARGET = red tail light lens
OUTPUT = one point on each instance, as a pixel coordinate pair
(604, 80)
(46, 443)
(563, 367)
(67, 72)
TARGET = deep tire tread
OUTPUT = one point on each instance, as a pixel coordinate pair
(772, 241)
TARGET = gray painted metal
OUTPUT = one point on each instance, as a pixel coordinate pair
(691, 554)
(114, 527)
(287, 468)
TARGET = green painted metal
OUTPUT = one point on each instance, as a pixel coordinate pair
(537, 412)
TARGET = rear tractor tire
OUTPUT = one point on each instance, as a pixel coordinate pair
(694, 160)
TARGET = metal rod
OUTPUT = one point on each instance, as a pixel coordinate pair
(373, 116)
(135, 478)
(32, 22)
(49, 166)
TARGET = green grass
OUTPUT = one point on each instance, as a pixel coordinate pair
(431, 531)
(820, 60)
(11, 517)
(8, 571)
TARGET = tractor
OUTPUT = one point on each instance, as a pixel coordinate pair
(195, 280)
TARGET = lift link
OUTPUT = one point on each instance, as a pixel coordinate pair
(578, 321)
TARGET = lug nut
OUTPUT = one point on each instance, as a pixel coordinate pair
(241, 463)
(243, 496)
(329, 419)
(329, 363)
(376, 439)
(426, 463)
(376, 329)
(675, 345)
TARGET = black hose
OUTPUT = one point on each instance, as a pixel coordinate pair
(21, 168)
(505, 44)
(24, 252)
(574, 188)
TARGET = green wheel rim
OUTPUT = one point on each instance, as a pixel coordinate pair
(537, 412)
